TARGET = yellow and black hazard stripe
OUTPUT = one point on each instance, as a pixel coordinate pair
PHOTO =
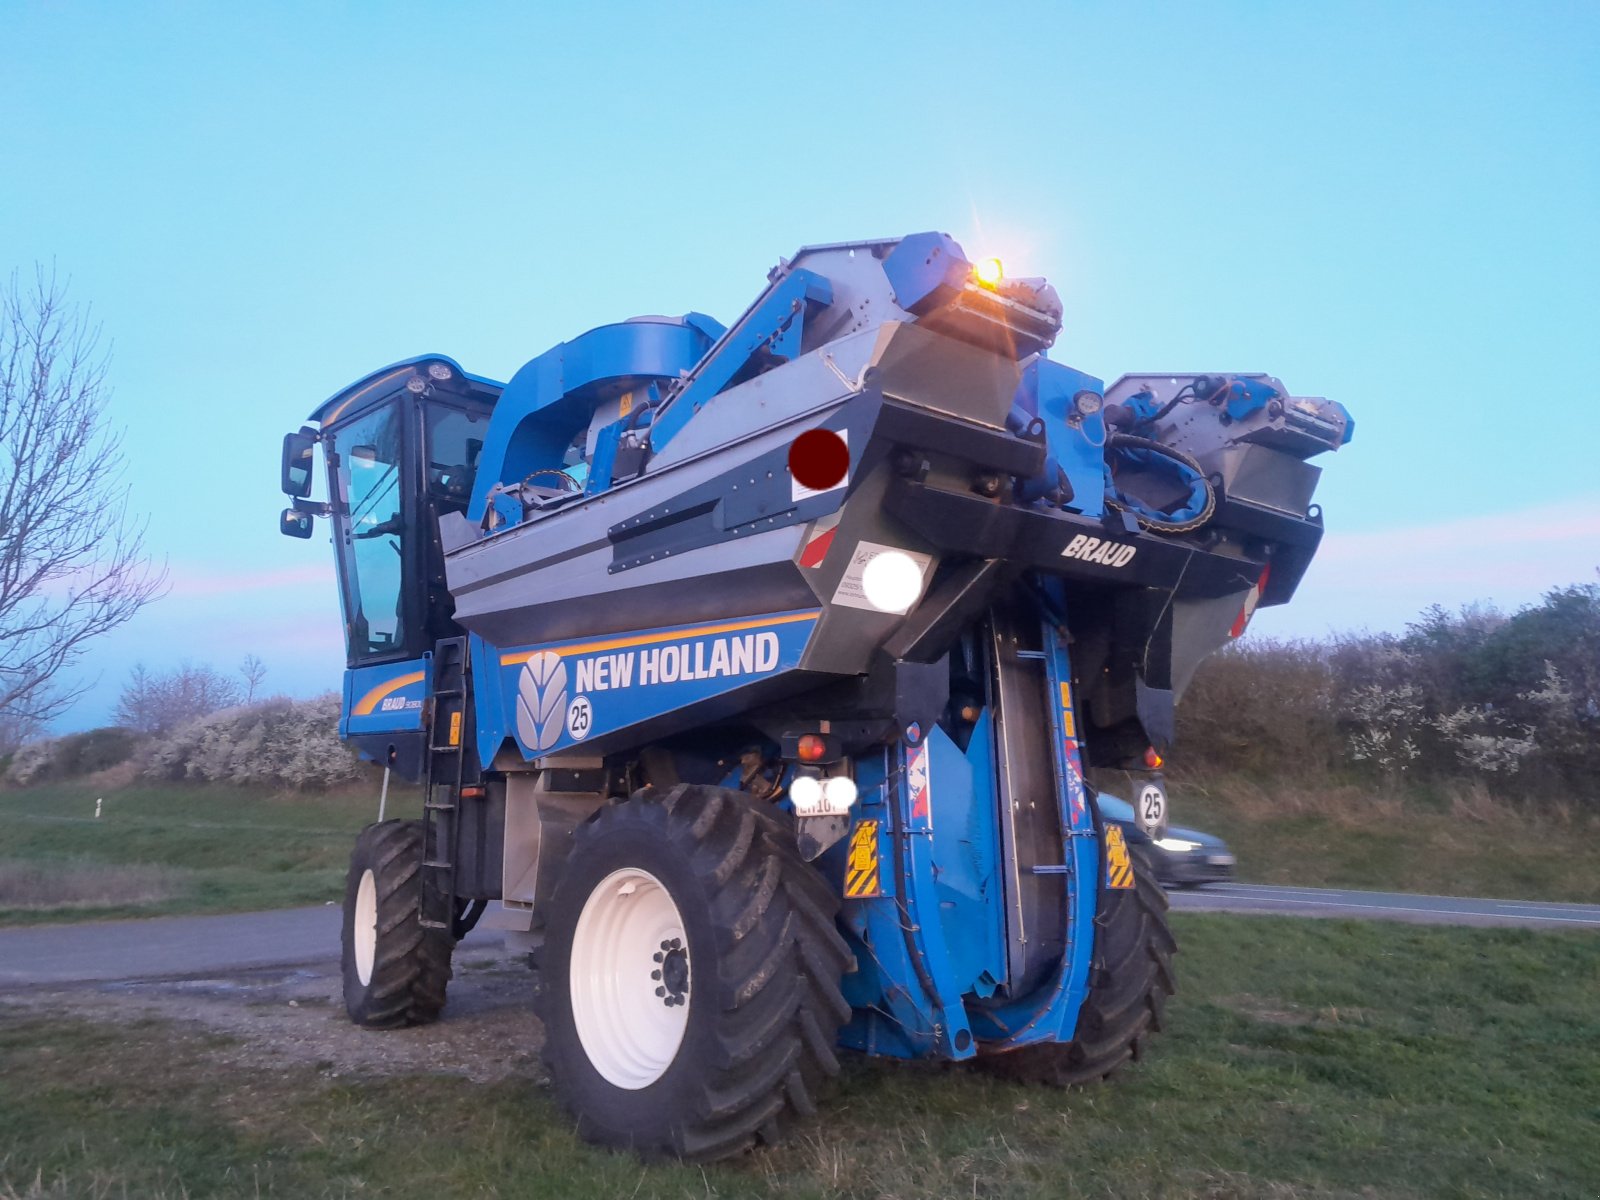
(1119, 863)
(861, 877)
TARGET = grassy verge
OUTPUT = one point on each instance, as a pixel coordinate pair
(160, 850)
(1303, 1059)
(1321, 833)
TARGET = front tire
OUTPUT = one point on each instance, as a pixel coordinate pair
(1129, 983)
(395, 970)
(689, 977)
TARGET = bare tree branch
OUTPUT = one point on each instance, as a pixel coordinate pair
(72, 564)
(160, 702)
(254, 671)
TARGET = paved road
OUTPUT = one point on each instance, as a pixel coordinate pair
(172, 946)
(184, 946)
(1387, 906)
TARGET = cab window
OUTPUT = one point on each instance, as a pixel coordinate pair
(455, 440)
(372, 532)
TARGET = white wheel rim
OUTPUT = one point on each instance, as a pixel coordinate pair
(629, 979)
(365, 927)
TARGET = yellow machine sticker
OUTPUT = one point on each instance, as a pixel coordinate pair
(455, 729)
(1119, 863)
(861, 879)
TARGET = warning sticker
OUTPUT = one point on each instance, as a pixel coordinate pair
(819, 539)
(861, 879)
(919, 784)
(1119, 863)
(899, 594)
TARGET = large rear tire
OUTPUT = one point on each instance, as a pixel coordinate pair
(1129, 983)
(395, 970)
(689, 977)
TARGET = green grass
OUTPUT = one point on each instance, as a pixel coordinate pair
(1302, 1059)
(157, 850)
(1326, 834)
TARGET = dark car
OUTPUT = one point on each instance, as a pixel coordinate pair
(1184, 857)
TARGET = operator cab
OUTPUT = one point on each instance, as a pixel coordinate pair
(401, 448)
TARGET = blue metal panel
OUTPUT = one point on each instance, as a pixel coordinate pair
(555, 695)
(489, 703)
(1246, 396)
(386, 698)
(604, 461)
(1349, 423)
(552, 398)
(1083, 845)
(882, 991)
(1076, 441)
(772, 327)
(1050, 1013)
(924, 1005)
(926, 271)
(966, 841)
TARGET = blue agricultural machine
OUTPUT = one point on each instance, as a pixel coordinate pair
(761, 679)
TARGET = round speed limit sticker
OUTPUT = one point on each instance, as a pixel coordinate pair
(1152, 808)
(580, 718)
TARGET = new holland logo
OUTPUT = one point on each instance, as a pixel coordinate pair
(1100, 550)
(542, 701)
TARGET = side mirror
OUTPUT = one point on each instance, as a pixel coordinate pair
(295, 524)
(297, 462)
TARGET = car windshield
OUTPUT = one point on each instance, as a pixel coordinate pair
(1113, 808)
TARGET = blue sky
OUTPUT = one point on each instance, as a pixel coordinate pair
(1397, 206)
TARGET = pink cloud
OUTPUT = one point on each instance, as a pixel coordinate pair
(189, 580)
(1381, 579)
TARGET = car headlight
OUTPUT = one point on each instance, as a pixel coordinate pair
(1177, 845)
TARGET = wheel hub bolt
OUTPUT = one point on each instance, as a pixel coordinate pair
(673, 974)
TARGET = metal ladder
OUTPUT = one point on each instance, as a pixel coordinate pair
(446, 771)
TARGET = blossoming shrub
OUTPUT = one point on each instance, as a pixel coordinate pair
(281, 743)
(70, 756)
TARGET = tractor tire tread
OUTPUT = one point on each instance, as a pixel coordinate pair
(411, 964)
(1132, 973)
(779, 961)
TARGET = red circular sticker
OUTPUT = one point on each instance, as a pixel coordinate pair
(819, 459)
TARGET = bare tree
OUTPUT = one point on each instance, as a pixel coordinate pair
(72, 563)
(15, 729)
(154, 702)
(254, 671)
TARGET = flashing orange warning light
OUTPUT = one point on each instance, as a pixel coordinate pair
(1152, 759)
(811, 748)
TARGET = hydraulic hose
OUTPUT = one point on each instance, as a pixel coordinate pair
(897, 837)
(1202, 495)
